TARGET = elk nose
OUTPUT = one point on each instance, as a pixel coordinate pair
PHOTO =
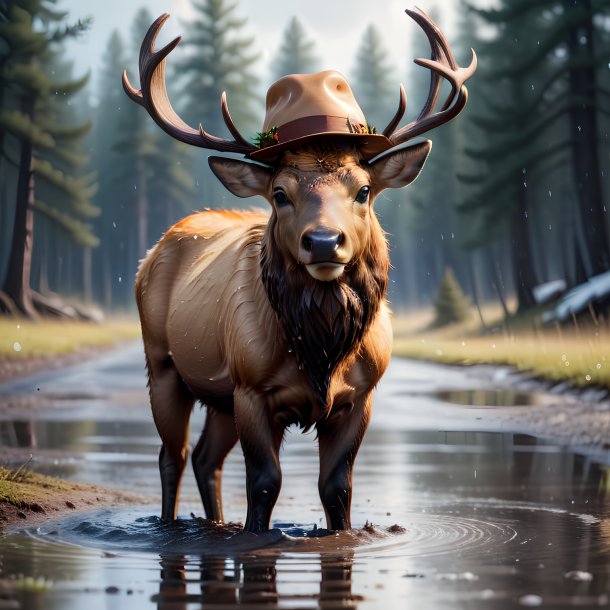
(321, 244)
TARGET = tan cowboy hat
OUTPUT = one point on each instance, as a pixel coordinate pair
(305, 107)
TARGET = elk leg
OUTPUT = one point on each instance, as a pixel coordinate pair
(217, 439)
(339, 439)
(260, 440)
(171, 403)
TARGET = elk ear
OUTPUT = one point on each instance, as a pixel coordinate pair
(242, 178)
(401, 167)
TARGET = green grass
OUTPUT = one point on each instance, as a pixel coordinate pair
(22, 488)
(22, 338)
(580, 356)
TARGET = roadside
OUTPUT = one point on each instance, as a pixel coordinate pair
(571, 356)
(30, 498)
(28, 347)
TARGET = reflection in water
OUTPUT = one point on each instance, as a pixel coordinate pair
(504, 397)
(251, 581)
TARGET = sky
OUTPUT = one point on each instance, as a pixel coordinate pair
(336, 27)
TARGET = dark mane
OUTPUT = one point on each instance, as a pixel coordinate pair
(324, 322)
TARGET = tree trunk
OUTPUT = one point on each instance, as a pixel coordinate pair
(475, 289)
(497, 283)
(521, 254)
(87, 283)
(17, 282)
(584, 130)
(142, 209)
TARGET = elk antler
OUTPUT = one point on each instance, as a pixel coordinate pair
(442, 64)
(153, 97)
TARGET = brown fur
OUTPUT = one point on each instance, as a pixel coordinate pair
(232, 316)
(324, 322)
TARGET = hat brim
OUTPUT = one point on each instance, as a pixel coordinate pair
(370, 145)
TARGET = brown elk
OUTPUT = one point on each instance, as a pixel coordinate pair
(280, 319)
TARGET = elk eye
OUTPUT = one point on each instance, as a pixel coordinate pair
(280, 198)
(363, 194)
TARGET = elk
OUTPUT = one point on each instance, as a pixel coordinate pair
(278, 319)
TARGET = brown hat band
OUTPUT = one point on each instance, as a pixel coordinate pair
(320, 124)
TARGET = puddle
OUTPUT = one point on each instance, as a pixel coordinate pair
(462, 517)
(502, 397)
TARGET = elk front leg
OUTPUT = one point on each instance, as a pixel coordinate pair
(339, 440)
(260, 440)
(217, 439)
(171, 403)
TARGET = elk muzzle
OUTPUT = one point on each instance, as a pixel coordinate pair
(319, 252)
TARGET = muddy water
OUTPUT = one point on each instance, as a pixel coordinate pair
(467, 509)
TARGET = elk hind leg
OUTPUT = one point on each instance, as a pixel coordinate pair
(172, 403)
(217, 439)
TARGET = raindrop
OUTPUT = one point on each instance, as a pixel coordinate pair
(550, 193)
(599, 365)
(579, 128)
(583, 40)
(135, 188)
(525, 186)
(120, 279)
(533, 88)
(17, 346)
(18, 325)
(588, 377)
(579, 576)
(113, 224)
(550, 227)
(195, 236)
(531, 600)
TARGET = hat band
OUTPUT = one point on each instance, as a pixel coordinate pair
(319, 124)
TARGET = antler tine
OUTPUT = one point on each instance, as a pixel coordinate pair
(441, 65)
(153, 96)
(402, 106)
(229, 122)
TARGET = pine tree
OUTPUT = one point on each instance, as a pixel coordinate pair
(220, 59)
(216, 56)
(450, 305)
(296, 53)
(544, 108)
(115, 188)
(374, 87)
(430, 210)
(147, 180)
(29, 117)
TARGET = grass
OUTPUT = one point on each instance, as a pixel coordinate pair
(22, 338)
(579, 355)
(22, 488)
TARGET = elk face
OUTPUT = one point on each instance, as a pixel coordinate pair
(322, 199)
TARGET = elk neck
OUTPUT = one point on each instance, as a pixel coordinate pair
(324, 322)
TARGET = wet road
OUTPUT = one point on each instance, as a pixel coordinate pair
(468, 509)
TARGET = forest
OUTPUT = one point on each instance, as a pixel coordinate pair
(514, 196)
